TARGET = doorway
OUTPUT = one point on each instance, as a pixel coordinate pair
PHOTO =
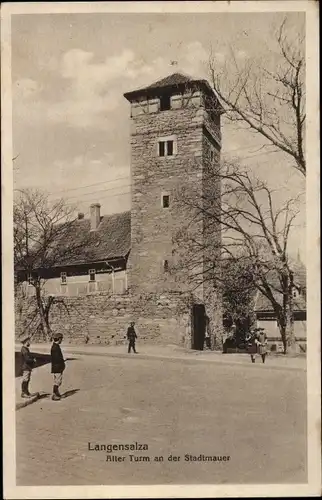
(198, 326)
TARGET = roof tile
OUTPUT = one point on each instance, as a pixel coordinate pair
(111, 239)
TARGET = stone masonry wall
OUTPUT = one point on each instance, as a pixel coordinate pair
(212, 235)
(154, 228)
(103, 319)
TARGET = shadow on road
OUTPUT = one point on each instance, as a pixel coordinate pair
(69, 393)
(43, 395)
(41, 359)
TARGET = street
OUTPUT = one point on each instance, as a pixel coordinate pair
(253, 415)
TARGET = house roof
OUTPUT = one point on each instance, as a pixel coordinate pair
(111, 240)
(262, 303)
(299, 270)
(171, 82)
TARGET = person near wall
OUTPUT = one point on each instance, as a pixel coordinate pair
(57, 365)
(131, 336)
(251, 341)
(262, 343)
(257, 344)
(28, 363)
(207, 333)
(229, 338)
(207, 340)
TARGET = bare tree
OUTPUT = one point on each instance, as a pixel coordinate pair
(44, 237)
(254, 229)
(270, 101)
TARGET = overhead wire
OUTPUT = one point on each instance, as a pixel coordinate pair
(81, 195)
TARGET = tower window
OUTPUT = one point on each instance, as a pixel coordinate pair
(165, 266)
(161, 148)
(165, 201)
(165, 148)
(165, 103)
(92, 276)
(63, 278)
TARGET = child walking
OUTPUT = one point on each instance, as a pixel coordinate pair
(57, 365)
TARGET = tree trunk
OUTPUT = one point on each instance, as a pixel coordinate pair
(286, 327)
(289, 330)
(42, 316)
(282, 329)
(286, 317)
(290, 335)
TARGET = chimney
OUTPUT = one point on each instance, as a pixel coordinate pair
(95, 211)
(80, 215)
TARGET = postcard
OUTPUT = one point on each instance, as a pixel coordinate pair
(160, 187)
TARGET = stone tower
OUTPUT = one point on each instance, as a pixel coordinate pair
(175, 147)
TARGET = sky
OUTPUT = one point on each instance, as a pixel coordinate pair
(71, 123)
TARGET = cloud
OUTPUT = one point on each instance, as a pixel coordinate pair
(24, 88)
(92, 90)
(241, 54)
(220, 57)
(194, 60)
(95, 89)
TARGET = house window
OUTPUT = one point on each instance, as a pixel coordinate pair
(165, 103)
(165, 266)
(63, 278)
(165, 201)
(166, 148)
(92, 276)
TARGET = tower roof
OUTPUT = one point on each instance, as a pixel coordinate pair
(176, 81)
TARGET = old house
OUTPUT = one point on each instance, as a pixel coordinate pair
(100, 262)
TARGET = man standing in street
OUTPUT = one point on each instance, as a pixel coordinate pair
(131, 336)
(57, 365)
(28, 362)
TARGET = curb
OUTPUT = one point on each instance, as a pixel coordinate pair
(174, 358)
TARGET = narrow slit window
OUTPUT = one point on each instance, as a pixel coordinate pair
(165, 266)
(63, 278)
(165, 201)
(92, 275)
(165, 103)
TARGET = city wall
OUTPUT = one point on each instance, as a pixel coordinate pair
(103, 319)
